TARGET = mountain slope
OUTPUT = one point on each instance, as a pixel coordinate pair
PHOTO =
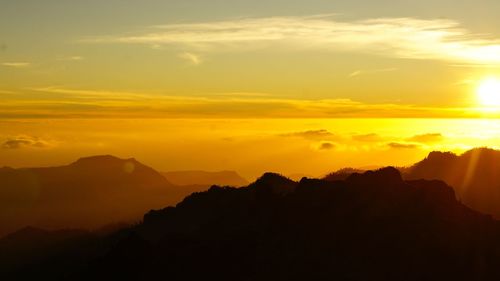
(475, 176)
(371, 226)
(29, 249)
(224, 178)
(88, 193)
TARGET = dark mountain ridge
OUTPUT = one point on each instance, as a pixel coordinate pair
(370, 226)
(223, 178)
(375, 225)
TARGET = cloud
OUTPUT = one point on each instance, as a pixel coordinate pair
(72, 58)
(426, 138)
(191, 58)
(326, 146)
(399, 145)
(310, 134)
(437, 39)
(373, 71)
(24, 142)
(16, 64)
(57, 102)
(356, 73)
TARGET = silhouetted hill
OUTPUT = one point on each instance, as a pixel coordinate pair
(224, 178)
(272, 183)
(342, 174)
(370, 226)
(88, 193)
(32, 252)
(475, 176)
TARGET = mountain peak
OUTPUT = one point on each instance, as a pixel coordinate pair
(273, 178)
(385, 176)
(473, 174)
(437, 155)
(481, 150)
(275, 183)
(101, 159)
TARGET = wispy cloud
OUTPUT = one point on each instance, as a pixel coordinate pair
(401, 145)
(62, 102)
(193, 59)
(16, 64)
(427, 138)
(310, 134)
(372, 71)
(92, 95)
(72, 58)
(24, 141)
(438, 39)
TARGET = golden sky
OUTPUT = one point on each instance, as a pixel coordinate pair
(250, 146)
(86, 63)
(242, 59)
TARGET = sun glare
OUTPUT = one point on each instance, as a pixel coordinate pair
(488, 92)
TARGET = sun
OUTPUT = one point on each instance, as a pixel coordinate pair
(488, 92)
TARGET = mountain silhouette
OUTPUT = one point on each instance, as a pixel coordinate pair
(88, 193)
(342, 174)
(370, 226)
(30, 249)
(203, 178)
(475, 176)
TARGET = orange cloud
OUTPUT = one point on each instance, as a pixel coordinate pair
(427, 138)
(310, 134)
(24, 141)
(326, 145)
(399, 145)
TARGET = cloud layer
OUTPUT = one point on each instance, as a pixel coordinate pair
(54, 102)
(16, 64)
(414, 38)
(310, 134)
(23, 141)
(427, 138)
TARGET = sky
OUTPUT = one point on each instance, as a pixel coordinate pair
(89, 62)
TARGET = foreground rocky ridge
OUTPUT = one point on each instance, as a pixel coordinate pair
(371, 226)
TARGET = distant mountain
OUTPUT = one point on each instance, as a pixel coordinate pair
(88, 193)
(475, 176)
(224, 178)
(370, 226)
